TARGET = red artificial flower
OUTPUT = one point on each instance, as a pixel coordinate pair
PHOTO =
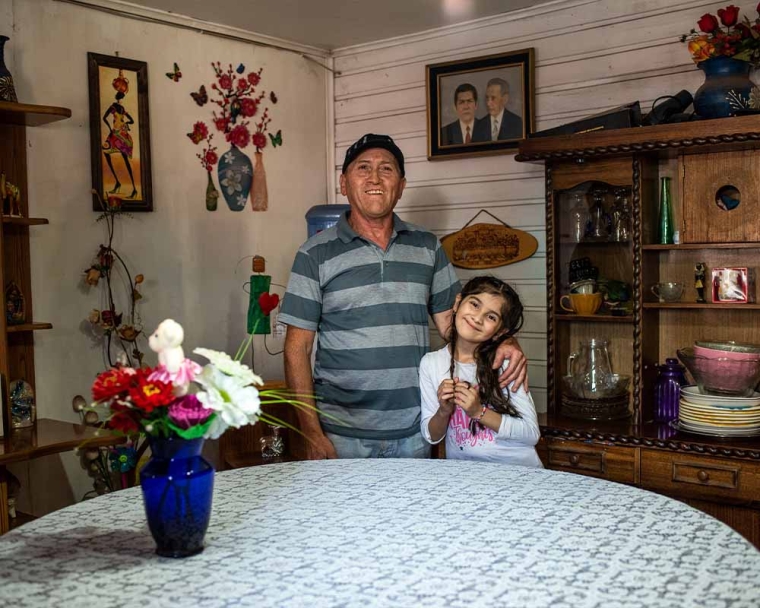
(124, 422)
(114, 202)
(248, 107)
(259, 140)
(211, 158)
(225, 81)
(110, 384)
(729, 15)
(150, 394)
(708, 23)
(221, 124)
(239, 136)
(254, 78)
(242, 85)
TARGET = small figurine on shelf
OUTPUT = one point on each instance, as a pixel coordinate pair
(15, 311)
(699, 280)
(10, 196)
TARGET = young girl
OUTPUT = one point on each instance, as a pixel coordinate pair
(461, 398)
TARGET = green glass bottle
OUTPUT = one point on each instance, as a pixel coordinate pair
(665, 236)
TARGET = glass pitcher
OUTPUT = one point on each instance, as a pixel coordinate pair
(590, 369)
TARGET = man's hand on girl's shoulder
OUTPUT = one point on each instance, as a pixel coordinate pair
(516, 372)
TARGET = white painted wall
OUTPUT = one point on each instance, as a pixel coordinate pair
(591, 55)
(189, 256)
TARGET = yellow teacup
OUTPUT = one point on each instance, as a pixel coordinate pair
(582, 303)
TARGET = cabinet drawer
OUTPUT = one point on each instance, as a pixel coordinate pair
(596, 460)
(700, 477)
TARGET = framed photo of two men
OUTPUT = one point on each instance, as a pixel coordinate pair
(480, 106)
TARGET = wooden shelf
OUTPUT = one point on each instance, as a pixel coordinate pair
(596, 243)
(25, 221)
(28, 327)
(30, 115)
(695, 246)
(695, 137)
(694, 305)
(49, 436)
(570, 318)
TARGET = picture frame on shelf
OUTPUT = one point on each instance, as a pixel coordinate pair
(120, 131)
(480, 106)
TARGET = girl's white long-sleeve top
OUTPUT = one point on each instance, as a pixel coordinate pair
(513, 444)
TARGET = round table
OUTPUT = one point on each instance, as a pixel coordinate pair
(411, 533)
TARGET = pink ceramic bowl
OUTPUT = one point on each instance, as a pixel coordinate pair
(721, 375)
(711, 353)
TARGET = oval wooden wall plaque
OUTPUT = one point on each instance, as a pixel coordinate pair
(488, 246)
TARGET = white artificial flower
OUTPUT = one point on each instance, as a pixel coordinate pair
(235, 404)
(227, 365)
(216, 428)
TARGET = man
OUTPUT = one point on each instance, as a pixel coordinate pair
(499, 123)
(367, 285)
(462, 131)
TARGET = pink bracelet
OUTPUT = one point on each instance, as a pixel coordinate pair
(482, 413)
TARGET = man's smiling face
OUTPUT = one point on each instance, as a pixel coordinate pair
(373, 184)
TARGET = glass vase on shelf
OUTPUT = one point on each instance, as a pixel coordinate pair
(578, 217)
(621, 216)
(667, 390)
(599, 228)
(665, 221)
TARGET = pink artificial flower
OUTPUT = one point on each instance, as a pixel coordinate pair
(259, 140)
(254, 78)
(225, 81)
(187, 411)
(248, 107)
(239, 136)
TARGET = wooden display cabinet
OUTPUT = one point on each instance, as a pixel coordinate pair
(715, 474)
(17, 341)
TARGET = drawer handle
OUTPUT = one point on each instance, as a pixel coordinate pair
(703, 476)
(574, 459)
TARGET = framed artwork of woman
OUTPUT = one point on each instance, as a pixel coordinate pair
(120, 131)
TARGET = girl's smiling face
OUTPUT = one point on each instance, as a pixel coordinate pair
(478, 316)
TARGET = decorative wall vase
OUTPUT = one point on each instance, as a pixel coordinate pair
(177, 485)
(259, 194)
(212, 194)
(235, 178)
(7, 90)
(726, 88)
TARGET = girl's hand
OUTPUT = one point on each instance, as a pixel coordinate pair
(446, 403)
(466, 397)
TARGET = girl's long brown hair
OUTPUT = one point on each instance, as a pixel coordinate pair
(511, 321)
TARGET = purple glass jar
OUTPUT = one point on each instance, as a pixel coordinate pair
(667, 390)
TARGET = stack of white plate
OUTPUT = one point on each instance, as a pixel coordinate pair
(723, 416)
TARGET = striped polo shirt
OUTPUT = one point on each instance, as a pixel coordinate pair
(370, 310)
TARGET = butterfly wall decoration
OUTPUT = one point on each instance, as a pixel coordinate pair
(201, 97)
(174, 75)
(276, 139)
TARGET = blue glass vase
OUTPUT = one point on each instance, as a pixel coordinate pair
(235, 177)
(726, 88)
(177, 485)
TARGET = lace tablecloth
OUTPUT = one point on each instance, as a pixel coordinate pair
(411, 533)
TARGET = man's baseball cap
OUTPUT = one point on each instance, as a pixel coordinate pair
(370, 140)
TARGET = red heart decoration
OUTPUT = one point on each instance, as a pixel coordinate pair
(268, 302)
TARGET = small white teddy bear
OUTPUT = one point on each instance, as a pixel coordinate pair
(172, 365)
(167, 342)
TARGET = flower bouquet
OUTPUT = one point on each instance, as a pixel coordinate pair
(178, 404)
(726, 48)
